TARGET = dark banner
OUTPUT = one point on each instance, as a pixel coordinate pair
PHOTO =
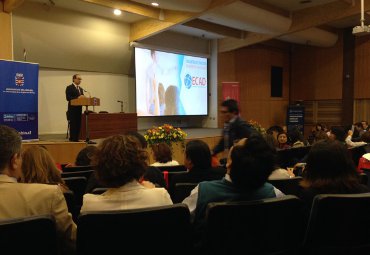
(295, 117)
(19, 97)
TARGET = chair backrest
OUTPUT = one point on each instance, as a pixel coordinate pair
(181, 191)
(99, 191)
(29, 235)
(85, 173)
(78, 186)
(289, 186)
(339, 224)
(267, 226)
(289, 157)
(75, 168)
(146, 229)
(178, 168)
(71, 203)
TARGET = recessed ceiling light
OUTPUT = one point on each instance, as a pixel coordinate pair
(117, 12)
(155, 4)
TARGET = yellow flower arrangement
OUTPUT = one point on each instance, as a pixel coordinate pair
(166, 133)
(257, 127)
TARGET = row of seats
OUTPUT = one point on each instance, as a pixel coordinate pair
(337, 225)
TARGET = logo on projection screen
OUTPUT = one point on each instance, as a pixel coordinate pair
(194, 81)
(187, 81)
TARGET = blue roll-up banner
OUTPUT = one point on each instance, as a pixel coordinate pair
(19, 97)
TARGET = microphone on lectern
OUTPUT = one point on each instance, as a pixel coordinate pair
(86, 92)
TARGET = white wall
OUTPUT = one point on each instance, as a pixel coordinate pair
(52, 100)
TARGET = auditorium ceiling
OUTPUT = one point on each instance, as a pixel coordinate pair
(234, 23)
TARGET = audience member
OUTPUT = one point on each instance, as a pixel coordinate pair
(338, 133)
(38, 166)
(249, 165)
(120, 164)
(329, 170)
(296, 138)
(30, 199)
(282, 139)
(274, 131)
(198, 163)
(152, 174)
(163, 155)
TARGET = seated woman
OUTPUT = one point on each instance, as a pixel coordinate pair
(162, 155)
(38, 166)
(282, 139)
(329, 170)
(198, 163)
(120, 165)
(84, 156)
(249, 165)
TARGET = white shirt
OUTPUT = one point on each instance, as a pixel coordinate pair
(169, 163)
(132, 195)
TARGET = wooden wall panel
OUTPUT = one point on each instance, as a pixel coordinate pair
(225, 72)
(6, 51)
(252, 68)
(362, 71)
(316, 72)
(361, 110)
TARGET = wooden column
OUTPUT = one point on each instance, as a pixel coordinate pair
(6, 51)
(348, 76)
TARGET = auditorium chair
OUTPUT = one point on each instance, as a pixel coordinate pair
(266, 226)
(289, 186)
(78, 186)
(85, 173)
(178, 168)
(68, 169)
(163, 230)
(338, 224)
(29, 235)
(181, 191)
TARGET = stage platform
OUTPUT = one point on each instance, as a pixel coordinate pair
(64, 151)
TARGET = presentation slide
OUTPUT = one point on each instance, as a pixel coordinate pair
(170, 84)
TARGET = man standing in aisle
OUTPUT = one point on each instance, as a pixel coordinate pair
(235, 128)
(74, 113)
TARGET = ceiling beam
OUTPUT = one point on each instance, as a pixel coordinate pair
(301, 20)
(215, 28)
(11, 5)
(146, 28)
(128, 6)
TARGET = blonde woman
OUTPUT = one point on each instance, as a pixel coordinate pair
(38, 166)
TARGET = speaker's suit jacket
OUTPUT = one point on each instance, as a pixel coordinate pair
(31, 199)
(74, 112)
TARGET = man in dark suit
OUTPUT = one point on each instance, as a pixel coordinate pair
(235, 128)
(74, 91)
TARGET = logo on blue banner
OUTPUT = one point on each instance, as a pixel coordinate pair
(19, 79)
(18, 97)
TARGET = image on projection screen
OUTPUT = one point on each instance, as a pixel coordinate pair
(170, 84)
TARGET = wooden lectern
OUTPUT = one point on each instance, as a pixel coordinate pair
(86, 101)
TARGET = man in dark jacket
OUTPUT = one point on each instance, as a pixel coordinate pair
(235, 128)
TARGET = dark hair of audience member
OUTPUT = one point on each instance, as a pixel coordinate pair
(295, 135)
(119, 160)
(329, 167)
(366, 137)
(339, 132)
(252, 163)
(231, 105)
(199, 154)
(162, 152)
(85, 155)
(139, 137)
(320, 135)
(13, 140)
